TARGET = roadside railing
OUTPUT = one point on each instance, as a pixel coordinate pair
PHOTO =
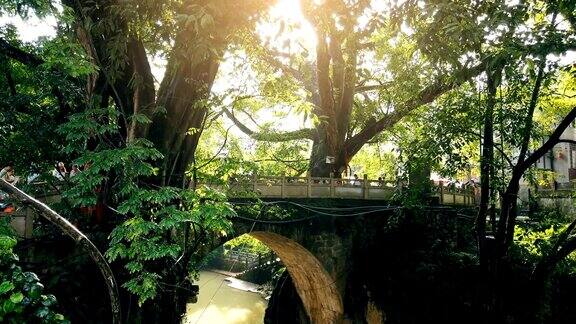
(319, 187)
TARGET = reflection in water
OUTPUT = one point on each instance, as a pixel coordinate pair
(234, 302)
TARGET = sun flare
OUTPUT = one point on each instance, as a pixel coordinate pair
(287, 29)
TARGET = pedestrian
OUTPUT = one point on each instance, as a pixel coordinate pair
(7, 174)
(9, 167)
(60, 171)
(74, 170)
(355, 181)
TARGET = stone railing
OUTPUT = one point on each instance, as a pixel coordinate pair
(22, 217)
(280, 187)
(454, 196)
(554, 190)
(317, 187)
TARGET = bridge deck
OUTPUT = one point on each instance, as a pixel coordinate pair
(282, 187)
(316, 187)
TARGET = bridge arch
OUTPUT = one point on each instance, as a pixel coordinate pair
(316, 288)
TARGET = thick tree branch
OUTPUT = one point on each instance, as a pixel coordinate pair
(433, 91)
(305, 133)
(549, 144)
(529, 119)
(425, 96)
(507, 220)
(77, 236)
(19, 55)
(494, 76)
(547, 264)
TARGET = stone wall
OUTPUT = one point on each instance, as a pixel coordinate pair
(331, 260)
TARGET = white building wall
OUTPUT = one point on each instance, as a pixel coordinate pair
(561, 158)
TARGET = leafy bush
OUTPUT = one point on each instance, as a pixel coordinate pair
(162, 226)
(534, 240)
(21, 293)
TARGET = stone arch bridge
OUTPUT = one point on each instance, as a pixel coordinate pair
(319, 246)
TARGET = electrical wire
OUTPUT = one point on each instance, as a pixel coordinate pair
(277, 202)
(319, 213)
(221, 283)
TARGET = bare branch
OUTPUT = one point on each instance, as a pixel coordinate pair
(78, 237)
(528, 121)
(308, 82)
(370, 87)
(305, 133)
(217, 152)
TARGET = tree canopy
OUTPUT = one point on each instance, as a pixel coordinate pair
(151, 96)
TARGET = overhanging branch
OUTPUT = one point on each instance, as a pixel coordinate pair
(79, 237)
(19, 55)
(427, 95)
(265, 136)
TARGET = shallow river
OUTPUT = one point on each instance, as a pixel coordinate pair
(224, 301)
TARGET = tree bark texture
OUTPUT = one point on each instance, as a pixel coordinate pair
(487, 160)
(177, 109)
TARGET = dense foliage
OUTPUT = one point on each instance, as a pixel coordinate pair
(22, 296)
(163, 104)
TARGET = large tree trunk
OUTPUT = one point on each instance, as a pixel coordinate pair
(336, 79)
(487, 163)
(320, 165)
(183, 95)
(125, 77)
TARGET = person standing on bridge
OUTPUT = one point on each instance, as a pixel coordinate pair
(60, 171)
(356, 181)
(8, 168)
(74, 170)
(7, 173)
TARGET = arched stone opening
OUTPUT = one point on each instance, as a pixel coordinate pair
(316, 288)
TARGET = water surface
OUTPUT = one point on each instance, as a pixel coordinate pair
(225, 300)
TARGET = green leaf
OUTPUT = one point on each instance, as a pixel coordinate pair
(8, 306)
(17, 297)
(141, 118)
(6, 286)
(36, 290)
(42, 312)
(31, 277)
(48, 300)
(7, 243)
